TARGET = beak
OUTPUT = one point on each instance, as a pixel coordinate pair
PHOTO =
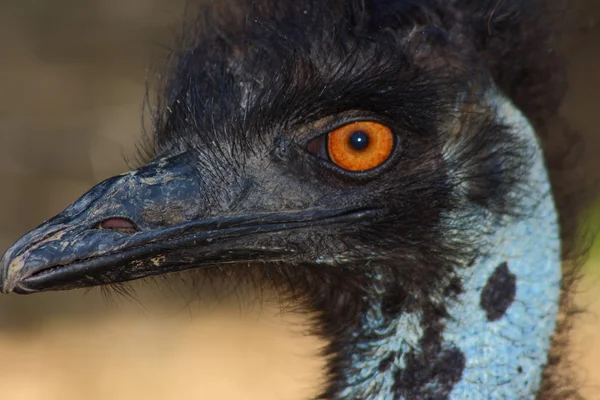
(147, 222)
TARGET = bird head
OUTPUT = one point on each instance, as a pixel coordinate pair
(364, 155)
(350, 145)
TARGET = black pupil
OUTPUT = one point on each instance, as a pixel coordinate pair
(359, 140)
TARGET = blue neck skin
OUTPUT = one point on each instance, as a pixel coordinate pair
(495, 342)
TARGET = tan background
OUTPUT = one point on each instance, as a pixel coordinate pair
(71, 83)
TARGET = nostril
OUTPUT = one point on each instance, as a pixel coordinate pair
(119, 224)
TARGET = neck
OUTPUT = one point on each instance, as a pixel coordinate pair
(492, 340)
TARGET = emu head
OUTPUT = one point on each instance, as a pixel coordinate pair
(364, 157)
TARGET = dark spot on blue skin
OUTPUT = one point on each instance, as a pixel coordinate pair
(520, 369)
(433, 368)
(385, 364)
(359, 140)
(429, 378)
(454, 288)
(498, 293)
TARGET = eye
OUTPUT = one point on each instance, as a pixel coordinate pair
(358, 146)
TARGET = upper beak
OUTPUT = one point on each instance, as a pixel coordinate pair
(122, 219)
(147, 222)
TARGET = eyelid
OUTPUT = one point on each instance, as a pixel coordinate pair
(318, 146)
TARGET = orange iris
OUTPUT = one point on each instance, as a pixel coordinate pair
(360, 146)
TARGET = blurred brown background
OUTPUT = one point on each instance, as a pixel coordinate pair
(71, 86)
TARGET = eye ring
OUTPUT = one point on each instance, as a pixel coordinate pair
(356, 147)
